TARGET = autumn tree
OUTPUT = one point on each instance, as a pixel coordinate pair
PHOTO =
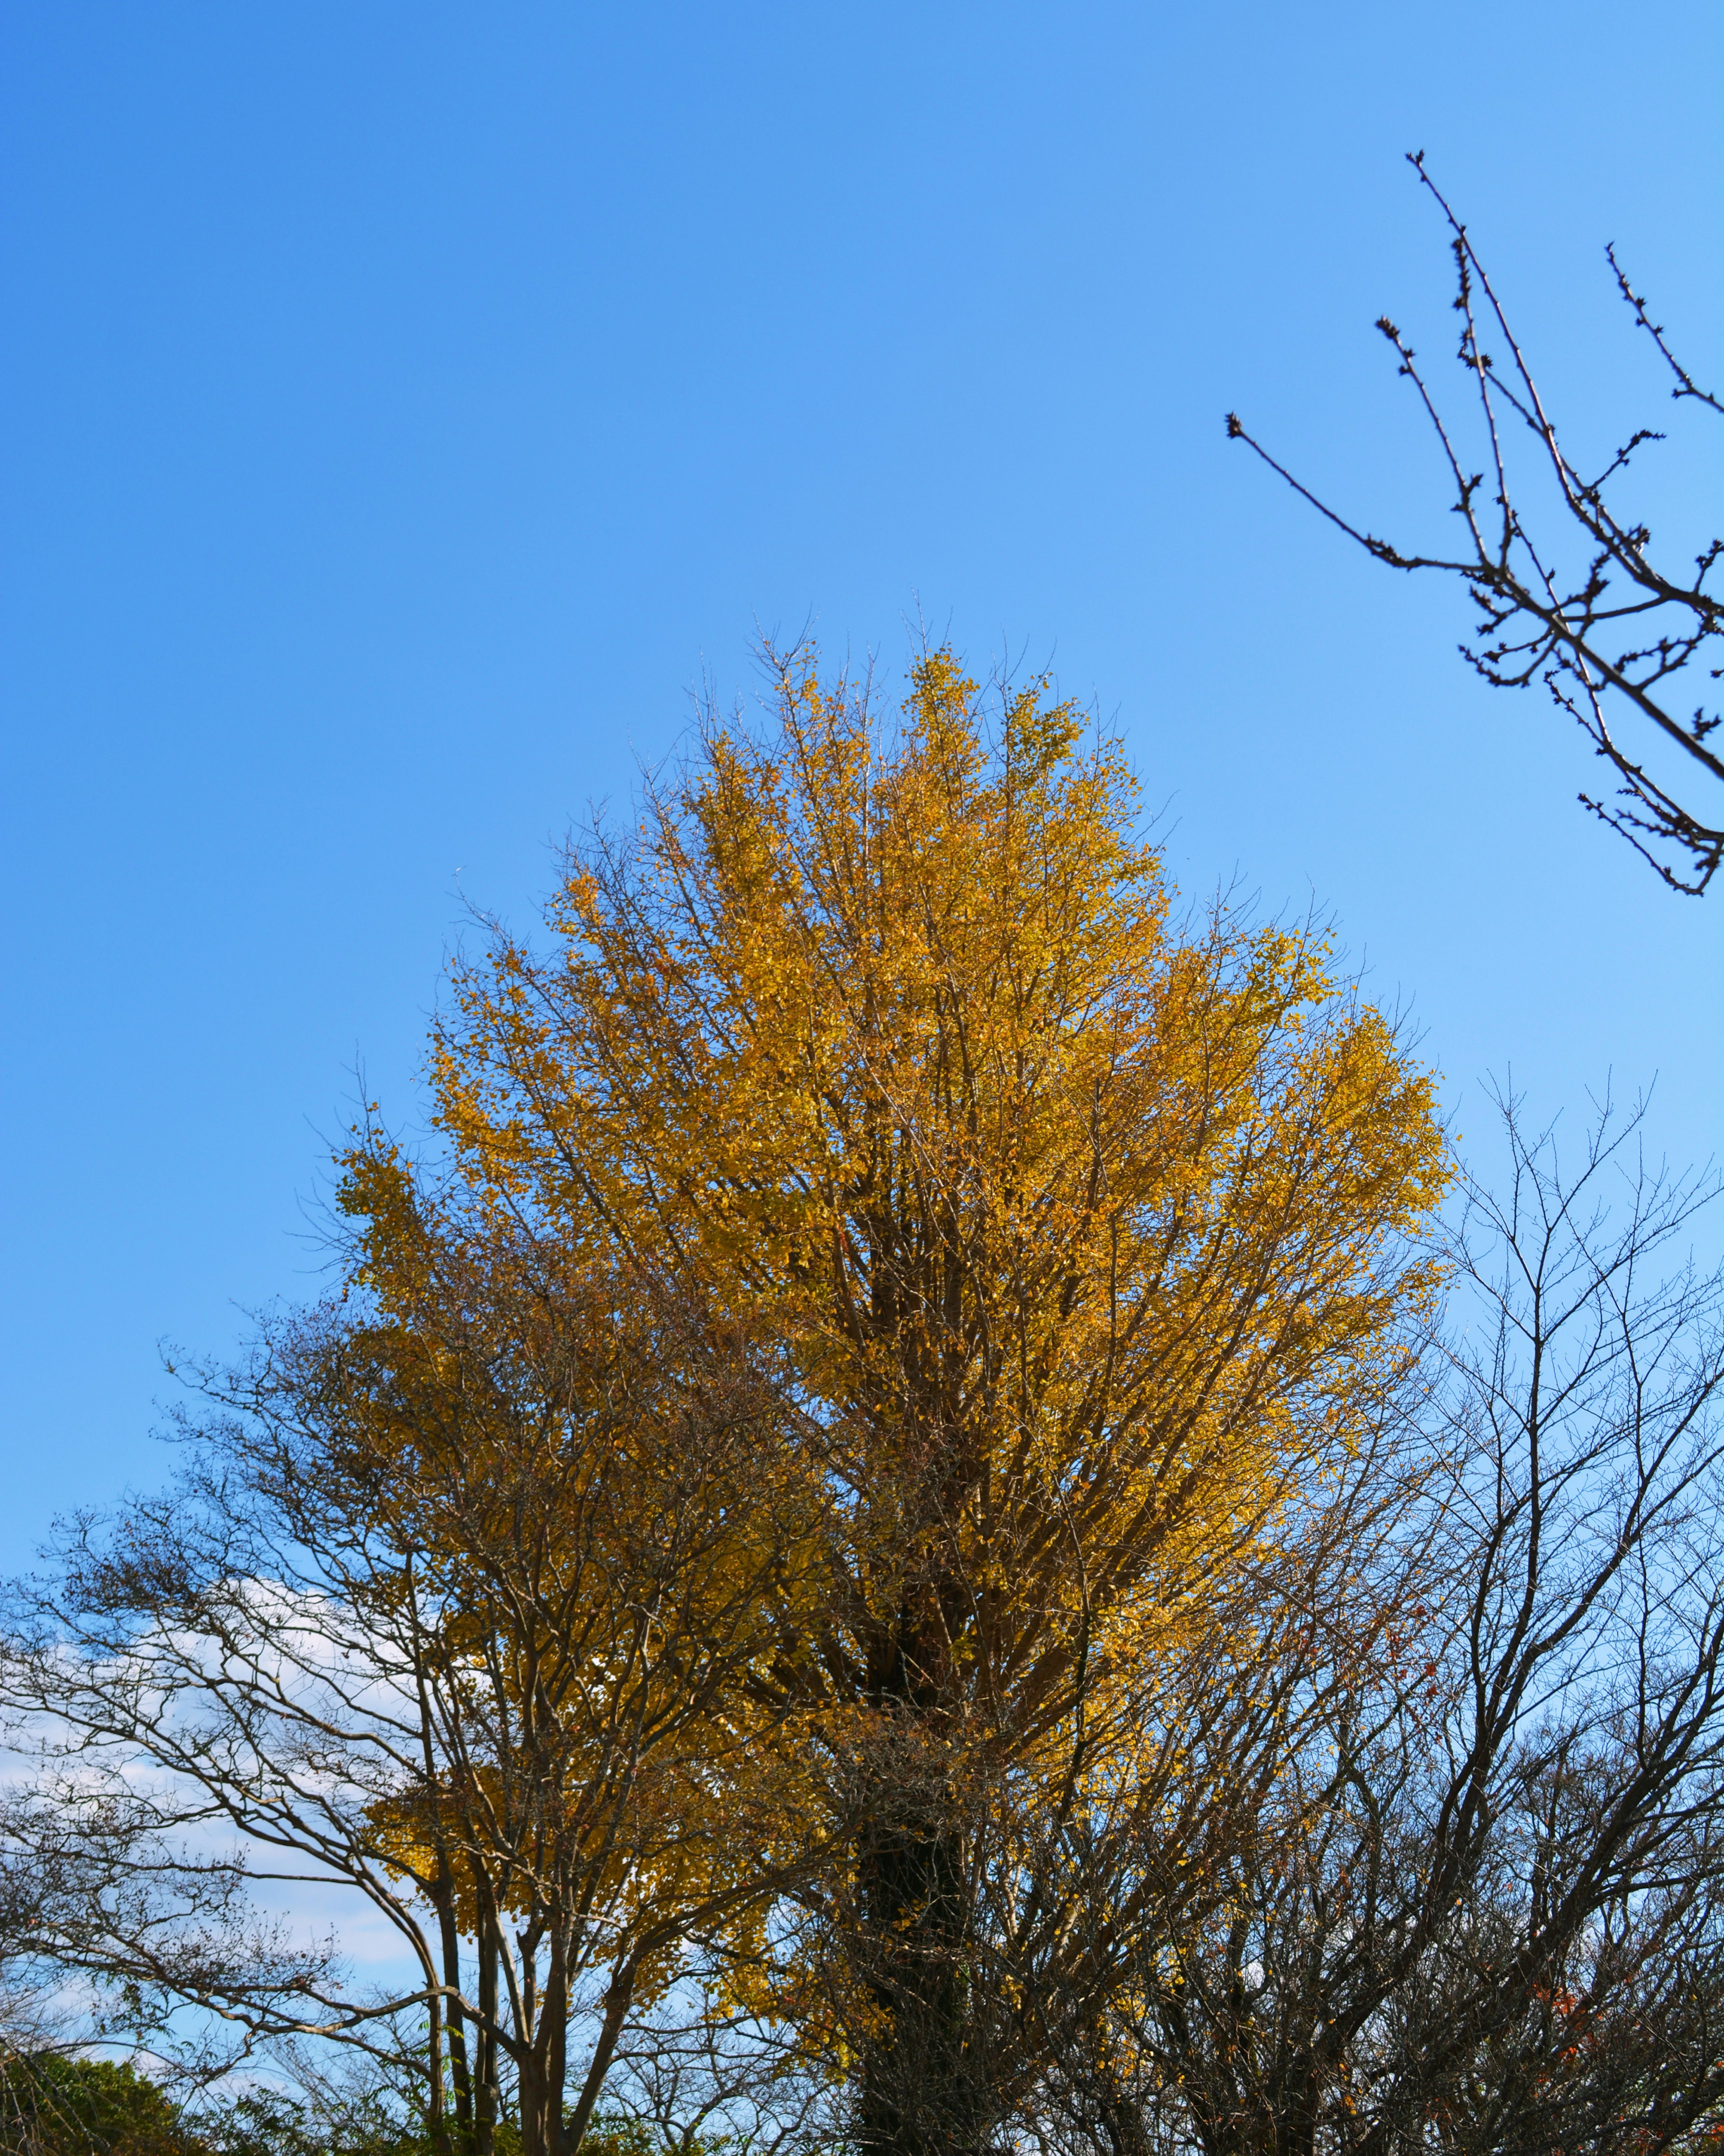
(449, 1609)
(596, 1500)
(1080, 1240)
(1569, 590)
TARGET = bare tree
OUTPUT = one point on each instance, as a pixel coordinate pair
(700, 2068)
(1484, 1909)
(60, 2094)
(1615, 631)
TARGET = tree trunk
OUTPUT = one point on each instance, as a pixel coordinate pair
(484, 2120)
(458, 2070)
(921, 2092)
(542, 2065)
(436, 2118)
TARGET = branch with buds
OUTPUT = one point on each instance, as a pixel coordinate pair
(1614, 634)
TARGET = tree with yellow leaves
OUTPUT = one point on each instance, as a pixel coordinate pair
(451, 1610)
(1077, 1242)
(586, 1492)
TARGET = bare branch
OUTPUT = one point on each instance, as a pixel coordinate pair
(1539, 624)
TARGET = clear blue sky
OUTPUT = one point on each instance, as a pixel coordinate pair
(404, 406)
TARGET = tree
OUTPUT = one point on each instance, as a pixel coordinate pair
(448, 1609)
(593, 1497)
(1617, 631)
(1081, 1241)
(1483, 1911)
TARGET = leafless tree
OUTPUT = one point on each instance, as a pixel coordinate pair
(1483, 1911)
(700, 2069)
(59, 2088)
(1614, 632)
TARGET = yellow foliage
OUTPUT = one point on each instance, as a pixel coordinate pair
(595, 1543)
(1069, 1244)
(1079, 1234)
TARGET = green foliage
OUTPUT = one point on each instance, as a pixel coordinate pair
(263, 2122)
(51, 2105)
(608, 2135)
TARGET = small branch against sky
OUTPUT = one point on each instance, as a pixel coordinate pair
(1618, 637)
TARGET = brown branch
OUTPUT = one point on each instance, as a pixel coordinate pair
(1534, 628)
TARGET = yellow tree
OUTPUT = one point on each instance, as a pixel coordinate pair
(1081, 1236)
(579, 1493)
(453, 1608)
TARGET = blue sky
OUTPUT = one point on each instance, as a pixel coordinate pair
(405, 407)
